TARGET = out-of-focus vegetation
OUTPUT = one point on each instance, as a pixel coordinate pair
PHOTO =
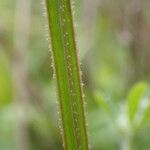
(114, 48)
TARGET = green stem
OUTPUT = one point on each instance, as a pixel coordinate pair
(67, 74)
(126, 144)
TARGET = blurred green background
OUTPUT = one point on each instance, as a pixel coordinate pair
(113, 39)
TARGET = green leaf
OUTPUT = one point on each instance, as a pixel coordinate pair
(67, 74)
(146, 117)
(134, 97)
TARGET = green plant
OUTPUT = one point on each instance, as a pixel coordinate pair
(131, 116)
(67, 72)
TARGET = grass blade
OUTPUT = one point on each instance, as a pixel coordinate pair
(67, 74)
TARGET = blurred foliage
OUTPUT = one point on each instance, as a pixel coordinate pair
(113, 42)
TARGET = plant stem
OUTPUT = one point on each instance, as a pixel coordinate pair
(19, 69)
(67, 75)
(126, 144)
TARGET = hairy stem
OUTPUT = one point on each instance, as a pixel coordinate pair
(67, 74)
